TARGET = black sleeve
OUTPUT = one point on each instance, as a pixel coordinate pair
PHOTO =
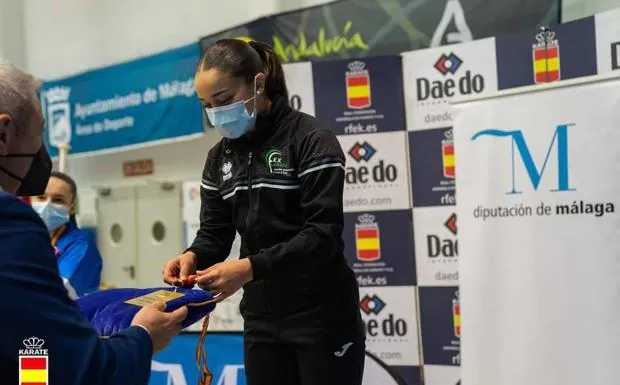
(216, 234)
(321, 178)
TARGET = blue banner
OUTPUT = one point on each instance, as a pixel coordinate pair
(176, 365)
(129, 104)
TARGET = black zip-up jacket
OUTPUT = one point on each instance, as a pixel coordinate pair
(281, 188)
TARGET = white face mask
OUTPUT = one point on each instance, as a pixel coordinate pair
(52, 214)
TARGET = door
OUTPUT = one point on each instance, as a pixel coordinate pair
(116, 236)
(159, 229)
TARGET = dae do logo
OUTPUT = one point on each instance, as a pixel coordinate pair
(452, 82)
(381, 172)
(444, 247)
(385, 324)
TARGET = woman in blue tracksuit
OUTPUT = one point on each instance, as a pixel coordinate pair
(79, 261)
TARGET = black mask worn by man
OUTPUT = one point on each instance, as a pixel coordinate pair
(35, 181)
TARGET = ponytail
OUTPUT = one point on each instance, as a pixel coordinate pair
(275, 84)
(245, 60)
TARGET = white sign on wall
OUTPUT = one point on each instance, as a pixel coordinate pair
(376, 176)
(442, 375)
(226, 316)
(300, 86)
(537, 205)
(436, 246)
(390, 316)
(435, 76)
(608, 41)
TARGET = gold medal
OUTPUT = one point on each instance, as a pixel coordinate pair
(156, 296)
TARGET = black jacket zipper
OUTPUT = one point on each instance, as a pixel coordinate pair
(248, 218)
(248, 231)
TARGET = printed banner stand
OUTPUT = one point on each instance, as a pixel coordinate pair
(537, 199)
(226, 317)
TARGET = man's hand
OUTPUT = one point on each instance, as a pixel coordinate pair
(179, 268)
(226, 278)
(161, 326)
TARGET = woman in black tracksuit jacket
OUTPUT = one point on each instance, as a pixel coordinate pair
(277, 177)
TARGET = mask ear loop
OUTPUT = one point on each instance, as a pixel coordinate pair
(255, 93)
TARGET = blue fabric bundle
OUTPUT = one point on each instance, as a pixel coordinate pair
(109, 312)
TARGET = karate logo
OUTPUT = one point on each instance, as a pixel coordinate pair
(276, 162)
(33, 362)
(58, 115)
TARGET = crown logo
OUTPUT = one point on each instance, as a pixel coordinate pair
(33, 343)
(58, 94)
(545, 37)
(366, 219)
(449, 135)
(356, 66)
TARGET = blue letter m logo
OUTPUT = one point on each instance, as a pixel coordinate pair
(560, 139)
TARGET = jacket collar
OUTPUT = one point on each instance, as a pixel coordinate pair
(267, 124)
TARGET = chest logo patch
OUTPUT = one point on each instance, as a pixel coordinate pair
(226, 171)
(277, 163)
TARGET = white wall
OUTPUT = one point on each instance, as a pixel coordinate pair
(64, 37)
(12, 45)
(576, 9)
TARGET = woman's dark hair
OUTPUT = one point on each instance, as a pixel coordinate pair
(245, 60)
(68, 180)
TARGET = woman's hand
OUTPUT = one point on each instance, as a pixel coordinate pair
(226, 278)
(179, 268)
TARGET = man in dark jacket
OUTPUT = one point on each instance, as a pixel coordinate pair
(43, 337)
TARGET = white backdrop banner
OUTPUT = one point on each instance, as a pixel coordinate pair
(433, 77)
(299, 82)
(538, 188)
(226, 316)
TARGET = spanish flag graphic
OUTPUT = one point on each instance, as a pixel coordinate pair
(456, 316)
(33, 370)
(447, 155)
(546, 63)
(367, 242)
(358, 86)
